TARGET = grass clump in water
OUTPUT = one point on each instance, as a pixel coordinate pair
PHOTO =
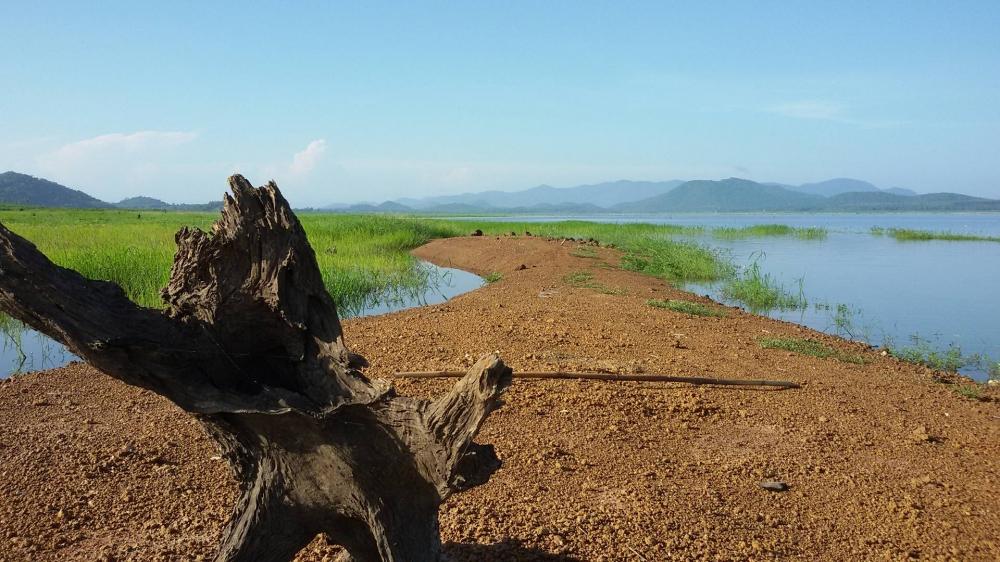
(911, 235)
(922, 352)
(812, 348)
(761, 292)
(687, 307)
(760, 230)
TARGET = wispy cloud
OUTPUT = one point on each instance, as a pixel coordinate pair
(811, 109)
(116, 144)
(826, 110)
(115, 165)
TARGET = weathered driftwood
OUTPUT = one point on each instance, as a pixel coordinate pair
(250, 343)
(609, 377)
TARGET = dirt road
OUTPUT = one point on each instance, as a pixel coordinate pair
(880, 460)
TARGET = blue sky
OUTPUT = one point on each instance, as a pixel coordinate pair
(368, 101)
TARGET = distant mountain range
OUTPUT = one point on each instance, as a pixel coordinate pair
(29, 191)
(601, 195)
(712, 196)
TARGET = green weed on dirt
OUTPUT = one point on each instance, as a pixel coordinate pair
(810, 347)
(970, 391)
(687, 307)
(585, 279)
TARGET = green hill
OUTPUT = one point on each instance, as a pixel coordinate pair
(882, 201)
(22, 189)
(143, 203)
(725, 196)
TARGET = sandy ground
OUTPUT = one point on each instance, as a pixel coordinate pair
(880, 460)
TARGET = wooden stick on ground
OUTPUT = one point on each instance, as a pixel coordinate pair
(608, 377)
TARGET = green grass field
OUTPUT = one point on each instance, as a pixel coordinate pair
(363, 258)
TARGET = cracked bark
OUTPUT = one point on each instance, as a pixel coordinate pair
(251, 344)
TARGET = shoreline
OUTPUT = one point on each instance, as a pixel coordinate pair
(879, 458)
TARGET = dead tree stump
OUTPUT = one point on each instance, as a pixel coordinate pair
(250, 343)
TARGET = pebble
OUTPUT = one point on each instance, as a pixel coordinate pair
(774, 485)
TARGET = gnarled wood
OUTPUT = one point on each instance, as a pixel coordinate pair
(250, 342)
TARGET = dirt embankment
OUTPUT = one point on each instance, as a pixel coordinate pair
(880, 460)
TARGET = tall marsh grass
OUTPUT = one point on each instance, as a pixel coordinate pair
(761, 292)
(761, 230)
(364, 259)
(913, 235)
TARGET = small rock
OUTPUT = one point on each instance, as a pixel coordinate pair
(477, 232)
(774, 485)
(521, 267)
(920, 435)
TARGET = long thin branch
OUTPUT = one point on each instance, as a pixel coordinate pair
(609, 377)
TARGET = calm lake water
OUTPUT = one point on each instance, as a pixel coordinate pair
(34, 351)
(942, 292)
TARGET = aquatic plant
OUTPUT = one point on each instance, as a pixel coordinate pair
(761, 292)
(910, 235)
(761, 230)
(921, 351)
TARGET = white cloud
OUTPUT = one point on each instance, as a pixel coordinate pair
(116, 165)
(115, 144)
(306, 160)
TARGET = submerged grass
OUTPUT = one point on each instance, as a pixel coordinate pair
(912, 235)
(687, 307)
(810, 347)
(760, 230)
(761, 292)
(923, 352)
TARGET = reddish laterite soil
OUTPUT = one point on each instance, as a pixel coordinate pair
(881, 460)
